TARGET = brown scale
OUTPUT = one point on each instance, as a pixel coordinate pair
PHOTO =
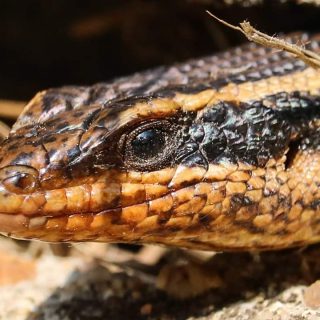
(65, 173)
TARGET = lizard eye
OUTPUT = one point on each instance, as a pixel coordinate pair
(148, 143)
(150, 146)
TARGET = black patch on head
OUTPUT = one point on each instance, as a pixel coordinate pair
(236, 133)
(256, 131)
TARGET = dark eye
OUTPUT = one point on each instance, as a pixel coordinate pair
(148, 143)
(150, 146)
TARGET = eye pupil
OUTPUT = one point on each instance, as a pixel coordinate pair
(148, 143)
(150, 146)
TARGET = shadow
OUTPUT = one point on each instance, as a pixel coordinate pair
(98, 293)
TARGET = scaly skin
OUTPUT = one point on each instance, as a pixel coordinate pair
(216, 153)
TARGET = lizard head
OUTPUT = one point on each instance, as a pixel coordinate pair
(204, 167)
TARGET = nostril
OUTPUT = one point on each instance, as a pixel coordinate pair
(19, 179)
(20, 183)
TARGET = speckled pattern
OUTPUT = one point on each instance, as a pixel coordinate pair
(216, 153)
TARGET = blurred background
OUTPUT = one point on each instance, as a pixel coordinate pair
(56, 42)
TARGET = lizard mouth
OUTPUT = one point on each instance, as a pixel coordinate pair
(111, 206)
(226, 206)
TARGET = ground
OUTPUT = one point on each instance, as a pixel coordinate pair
(96, 281)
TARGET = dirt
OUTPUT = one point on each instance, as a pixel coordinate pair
(94, 281)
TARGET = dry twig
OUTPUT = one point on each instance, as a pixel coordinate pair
(308, 56)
